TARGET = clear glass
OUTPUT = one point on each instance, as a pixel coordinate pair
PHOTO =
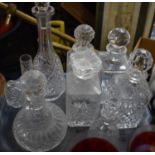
(82, 79)
(39, 125)
(46, 60)
(125, 91)
(25, 63)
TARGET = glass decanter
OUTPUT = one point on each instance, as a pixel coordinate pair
(125, 92)
(39, 125)
(83, 78)
(46, 60)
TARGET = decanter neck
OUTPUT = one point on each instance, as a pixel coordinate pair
(82, 48)
(44, 33)
(114, 49)
(35, 103)
(135, 76)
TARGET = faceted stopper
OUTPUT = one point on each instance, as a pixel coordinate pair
(84, 34)
(42, 6)
(119, 37)
(34, 83)
(141, 59)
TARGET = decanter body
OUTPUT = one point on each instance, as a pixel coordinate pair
(39, 125)
(46, 60)
(125, 92)
(83, 79)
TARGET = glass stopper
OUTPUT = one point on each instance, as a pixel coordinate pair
(141, 59)
(118, 40)
(34, 83)
(84, 34)
(119, 37)
(42, 6)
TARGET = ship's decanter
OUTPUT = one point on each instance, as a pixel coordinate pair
(46, 60)
(39, 125)
(125, 91)
(83, 81)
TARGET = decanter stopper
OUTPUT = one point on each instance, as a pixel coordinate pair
(34, 84)
(141, 59)
(43, 7)
(118, 40)
(83, 34)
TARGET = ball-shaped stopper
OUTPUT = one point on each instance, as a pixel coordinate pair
(141, 59)
(84, 33)
(119, 37)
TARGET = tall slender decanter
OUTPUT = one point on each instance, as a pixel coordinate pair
(46, 60)
(83, 78)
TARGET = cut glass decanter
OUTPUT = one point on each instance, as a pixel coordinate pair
(83, 78)
(125, 91)
(46, 60)
(39, 125)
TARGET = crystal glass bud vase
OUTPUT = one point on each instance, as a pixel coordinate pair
(46, 60)
(39, 125)
(83, 79)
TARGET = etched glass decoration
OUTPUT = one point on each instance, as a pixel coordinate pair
(83, 78)
(125, 91)
(46, 60)
(39, 125)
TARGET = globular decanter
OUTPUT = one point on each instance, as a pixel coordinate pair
(125, 91)
(83, 85)
(39, 125)
(46, 60)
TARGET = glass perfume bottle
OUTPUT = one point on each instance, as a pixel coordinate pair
(125, 91)
(46, 60)
(39, 125)
(83, 78)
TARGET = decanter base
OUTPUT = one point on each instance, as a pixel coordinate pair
(53, 98)
(54, 74)
(78, 124)
(37, 132)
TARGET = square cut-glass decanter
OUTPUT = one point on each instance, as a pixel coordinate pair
(83, 79)
(125, 92)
